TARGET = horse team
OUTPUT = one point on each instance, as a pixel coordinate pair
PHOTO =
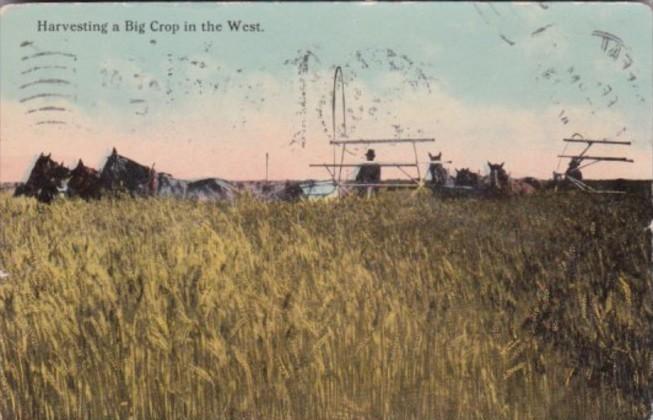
(50, 179)
(498, 182)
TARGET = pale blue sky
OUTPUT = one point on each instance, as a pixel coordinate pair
(465, 56)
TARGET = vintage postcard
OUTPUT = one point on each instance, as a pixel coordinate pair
(433, 210)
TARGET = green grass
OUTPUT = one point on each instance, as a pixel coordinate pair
(399, 307)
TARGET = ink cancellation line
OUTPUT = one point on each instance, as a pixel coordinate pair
(47, 109)
(48, 95)
(37, 68)
(46, 82)
(49, 53)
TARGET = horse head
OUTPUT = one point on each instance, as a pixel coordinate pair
(435, 158)
(465, 177)
(120, 172)
(439, 174)
(498, 176)
(46, 180)
(501, 183)
(82, 170)
(46, 167)
(84, 182)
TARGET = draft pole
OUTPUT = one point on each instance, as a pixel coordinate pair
(419, 173)
(342, 161)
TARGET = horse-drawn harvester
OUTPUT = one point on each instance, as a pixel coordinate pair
(573, 175)
(368, 178)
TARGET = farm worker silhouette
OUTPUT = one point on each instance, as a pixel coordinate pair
(369, 173)
(574, 169)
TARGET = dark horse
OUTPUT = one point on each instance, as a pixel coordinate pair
(279, 191)
(292, 191)
(210, 189)
(215, 188)
(46, 181)
(467, 178)
(500, 182)
(439, 175)
(84, 182)
(123, 174)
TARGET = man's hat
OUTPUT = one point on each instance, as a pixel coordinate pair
(370, 154)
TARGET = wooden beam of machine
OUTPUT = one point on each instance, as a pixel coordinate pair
(376, 141)
(352, 165)
(597, 141)
(617, 159)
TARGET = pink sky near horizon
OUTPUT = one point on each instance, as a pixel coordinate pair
(467, 142)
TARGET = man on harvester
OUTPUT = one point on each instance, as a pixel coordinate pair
(368, 173)
(573, 170)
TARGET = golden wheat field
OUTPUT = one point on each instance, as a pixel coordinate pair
(396, 307)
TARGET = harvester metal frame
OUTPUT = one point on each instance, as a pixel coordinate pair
(340, 144)
(577, 138)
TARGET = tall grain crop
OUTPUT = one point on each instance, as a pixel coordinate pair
(398, 307)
